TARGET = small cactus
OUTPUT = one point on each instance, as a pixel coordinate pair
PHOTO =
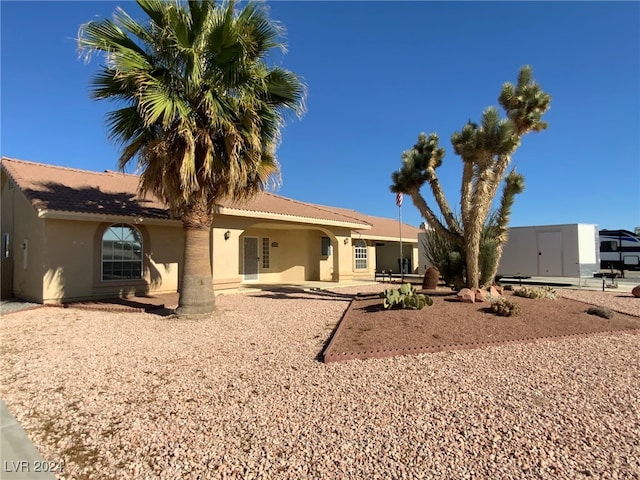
(603, 312)
(544, 291)
(405, 297)
(505, 308)
(431, 278)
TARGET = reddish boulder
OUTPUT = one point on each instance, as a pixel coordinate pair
(495, 291)
(466, 295)
(636, 291)
(480, 295)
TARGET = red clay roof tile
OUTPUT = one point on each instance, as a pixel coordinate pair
(113, 193)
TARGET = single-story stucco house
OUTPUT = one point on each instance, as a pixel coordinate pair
(71, 234)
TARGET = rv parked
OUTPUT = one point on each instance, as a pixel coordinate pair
(544, 251)
(619, 250)
(551, 251)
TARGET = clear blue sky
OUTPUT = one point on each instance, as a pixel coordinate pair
(379, 73)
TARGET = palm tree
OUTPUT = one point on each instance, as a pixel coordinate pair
(200, 111)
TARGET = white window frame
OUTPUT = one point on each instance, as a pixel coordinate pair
(360, 255)
(112, 260)
(266, 253)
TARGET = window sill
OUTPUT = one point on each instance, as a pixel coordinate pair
(120, 283)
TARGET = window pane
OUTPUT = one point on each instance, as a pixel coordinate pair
(360, 254)
(326, 246)
(121, 253)
(266, 261)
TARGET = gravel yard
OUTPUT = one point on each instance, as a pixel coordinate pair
(242, 395)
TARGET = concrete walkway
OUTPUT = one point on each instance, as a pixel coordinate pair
(19, 458)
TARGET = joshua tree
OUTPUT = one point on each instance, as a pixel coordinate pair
(200, 111)
(486, 152)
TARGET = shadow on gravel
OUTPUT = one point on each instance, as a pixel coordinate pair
(149, 305)
(295, 294)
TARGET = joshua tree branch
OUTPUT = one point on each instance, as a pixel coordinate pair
(441, 200)
(432, 219)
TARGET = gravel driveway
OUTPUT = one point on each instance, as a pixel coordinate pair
(242, 395)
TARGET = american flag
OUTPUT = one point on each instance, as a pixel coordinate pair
(399, 199)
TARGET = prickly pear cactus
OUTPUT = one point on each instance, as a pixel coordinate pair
(405, 297)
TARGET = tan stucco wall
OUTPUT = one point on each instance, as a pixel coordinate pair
(297, 258)
(64, 256)
(72, 269)
(26, 231)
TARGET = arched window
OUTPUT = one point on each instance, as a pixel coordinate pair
(360, 253)
(121, 253)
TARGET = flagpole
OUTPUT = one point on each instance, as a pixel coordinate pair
(401, 255)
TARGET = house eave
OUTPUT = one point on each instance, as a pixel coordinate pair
(233, 212)
(100, 217)
(379, 238)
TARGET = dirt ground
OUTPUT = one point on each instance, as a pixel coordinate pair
(367, 330)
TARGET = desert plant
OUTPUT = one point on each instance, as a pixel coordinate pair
(200, 110)
(431, 278)
(450, 259)
(505, 308)
(603, 312)
(405, 297)
(486, 150)
(544, 291)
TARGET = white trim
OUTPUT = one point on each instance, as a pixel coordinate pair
(133, 227)
(358, 245)
(388, 239)
(268, 250)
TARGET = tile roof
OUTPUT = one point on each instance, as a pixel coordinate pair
(49, 187)
(382, 227)
(64, 189)
(388, 228)
(267, 202)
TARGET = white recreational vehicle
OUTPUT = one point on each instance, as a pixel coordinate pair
(551, 251)
(619, 250)
(544, 251)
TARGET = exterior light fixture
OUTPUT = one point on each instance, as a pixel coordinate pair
(346, 240)
(227, 234)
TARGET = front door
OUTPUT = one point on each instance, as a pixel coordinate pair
(250, 259)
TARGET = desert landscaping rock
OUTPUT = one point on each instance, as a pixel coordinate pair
(496, 291)
(242, 395)
(467, 295)
(636, 291)
(480, 295)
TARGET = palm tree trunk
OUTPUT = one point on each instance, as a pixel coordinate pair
(196, 292)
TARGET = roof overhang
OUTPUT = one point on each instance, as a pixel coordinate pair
(234, 212)
(99, 217)
(378, 238)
